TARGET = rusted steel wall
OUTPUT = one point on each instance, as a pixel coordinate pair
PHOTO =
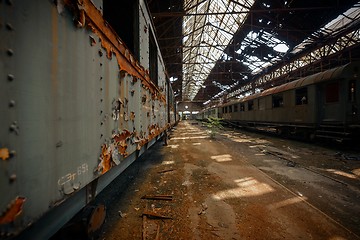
(74, 103)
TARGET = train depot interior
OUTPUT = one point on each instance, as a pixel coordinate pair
(180, 119)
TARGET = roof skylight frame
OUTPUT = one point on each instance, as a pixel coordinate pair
(217, 35)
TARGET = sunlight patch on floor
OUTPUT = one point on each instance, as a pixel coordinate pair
(337, 238)
(341, 173)
(168, 162)
(287, 202)
(184, 138)
(174, 146)
(248, 187)
(356, 172)
(222, 158)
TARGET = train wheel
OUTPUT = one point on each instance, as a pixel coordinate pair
(95, 221)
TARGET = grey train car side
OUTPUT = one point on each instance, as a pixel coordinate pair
(78, 105)
(321, 105)
(211, 112)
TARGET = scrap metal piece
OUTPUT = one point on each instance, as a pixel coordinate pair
(13, 211)
(155, 215)
(158, 197)
(166, 170)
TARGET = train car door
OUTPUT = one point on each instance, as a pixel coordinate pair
(330, 109)
(352, 106)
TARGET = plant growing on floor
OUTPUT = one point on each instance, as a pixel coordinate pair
(213, 125)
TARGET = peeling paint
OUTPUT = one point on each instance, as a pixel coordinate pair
(13, 211)
(105, 158)
(92, 40)
(143, 99)
(132, 116)
(110, 153)
(4, 153)
(154, 130)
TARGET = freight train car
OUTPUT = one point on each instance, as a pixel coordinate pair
(83, 93)
(324, 105)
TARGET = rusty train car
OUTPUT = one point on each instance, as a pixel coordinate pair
(84, 92)
(323, 105)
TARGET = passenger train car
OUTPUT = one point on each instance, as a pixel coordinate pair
(325, 104)
(83, 93)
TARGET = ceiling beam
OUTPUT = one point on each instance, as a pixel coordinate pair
(181, 14)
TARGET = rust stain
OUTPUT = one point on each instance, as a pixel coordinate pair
(105, 159)
(4, 153)
(122, 146)
(13, 211)
(120, 140)
(132, 116)
(122, 136)
(88, 15)
(109, 154)
(154, 130)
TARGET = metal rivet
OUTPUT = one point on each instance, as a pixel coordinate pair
(100, 89)
(101, 100)
(12, 153)
(12, 178)
(14, 128)
(59, 144)
(10, 52)
(101, 111)
(10, 77)
(9, 27)
(100, 64)
(12, 103)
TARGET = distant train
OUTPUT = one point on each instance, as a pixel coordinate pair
(84, 92)
(324, 105)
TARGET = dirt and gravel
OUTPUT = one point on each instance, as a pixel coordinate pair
(238, 185)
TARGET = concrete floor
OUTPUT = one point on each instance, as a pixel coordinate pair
(237, 185)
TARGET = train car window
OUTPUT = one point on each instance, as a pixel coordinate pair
(235, 107)
(352, 90)
(301, 96)
(126, 24)
(277, 100)
(153, 58)
(261, 103)
(230, 108)
(332, 92)
(242, 107)
(250, 105)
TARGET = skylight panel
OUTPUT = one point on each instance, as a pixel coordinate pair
(216, 33)
(282, 48)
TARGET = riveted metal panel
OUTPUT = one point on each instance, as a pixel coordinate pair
(57, 110)
(74, 104)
